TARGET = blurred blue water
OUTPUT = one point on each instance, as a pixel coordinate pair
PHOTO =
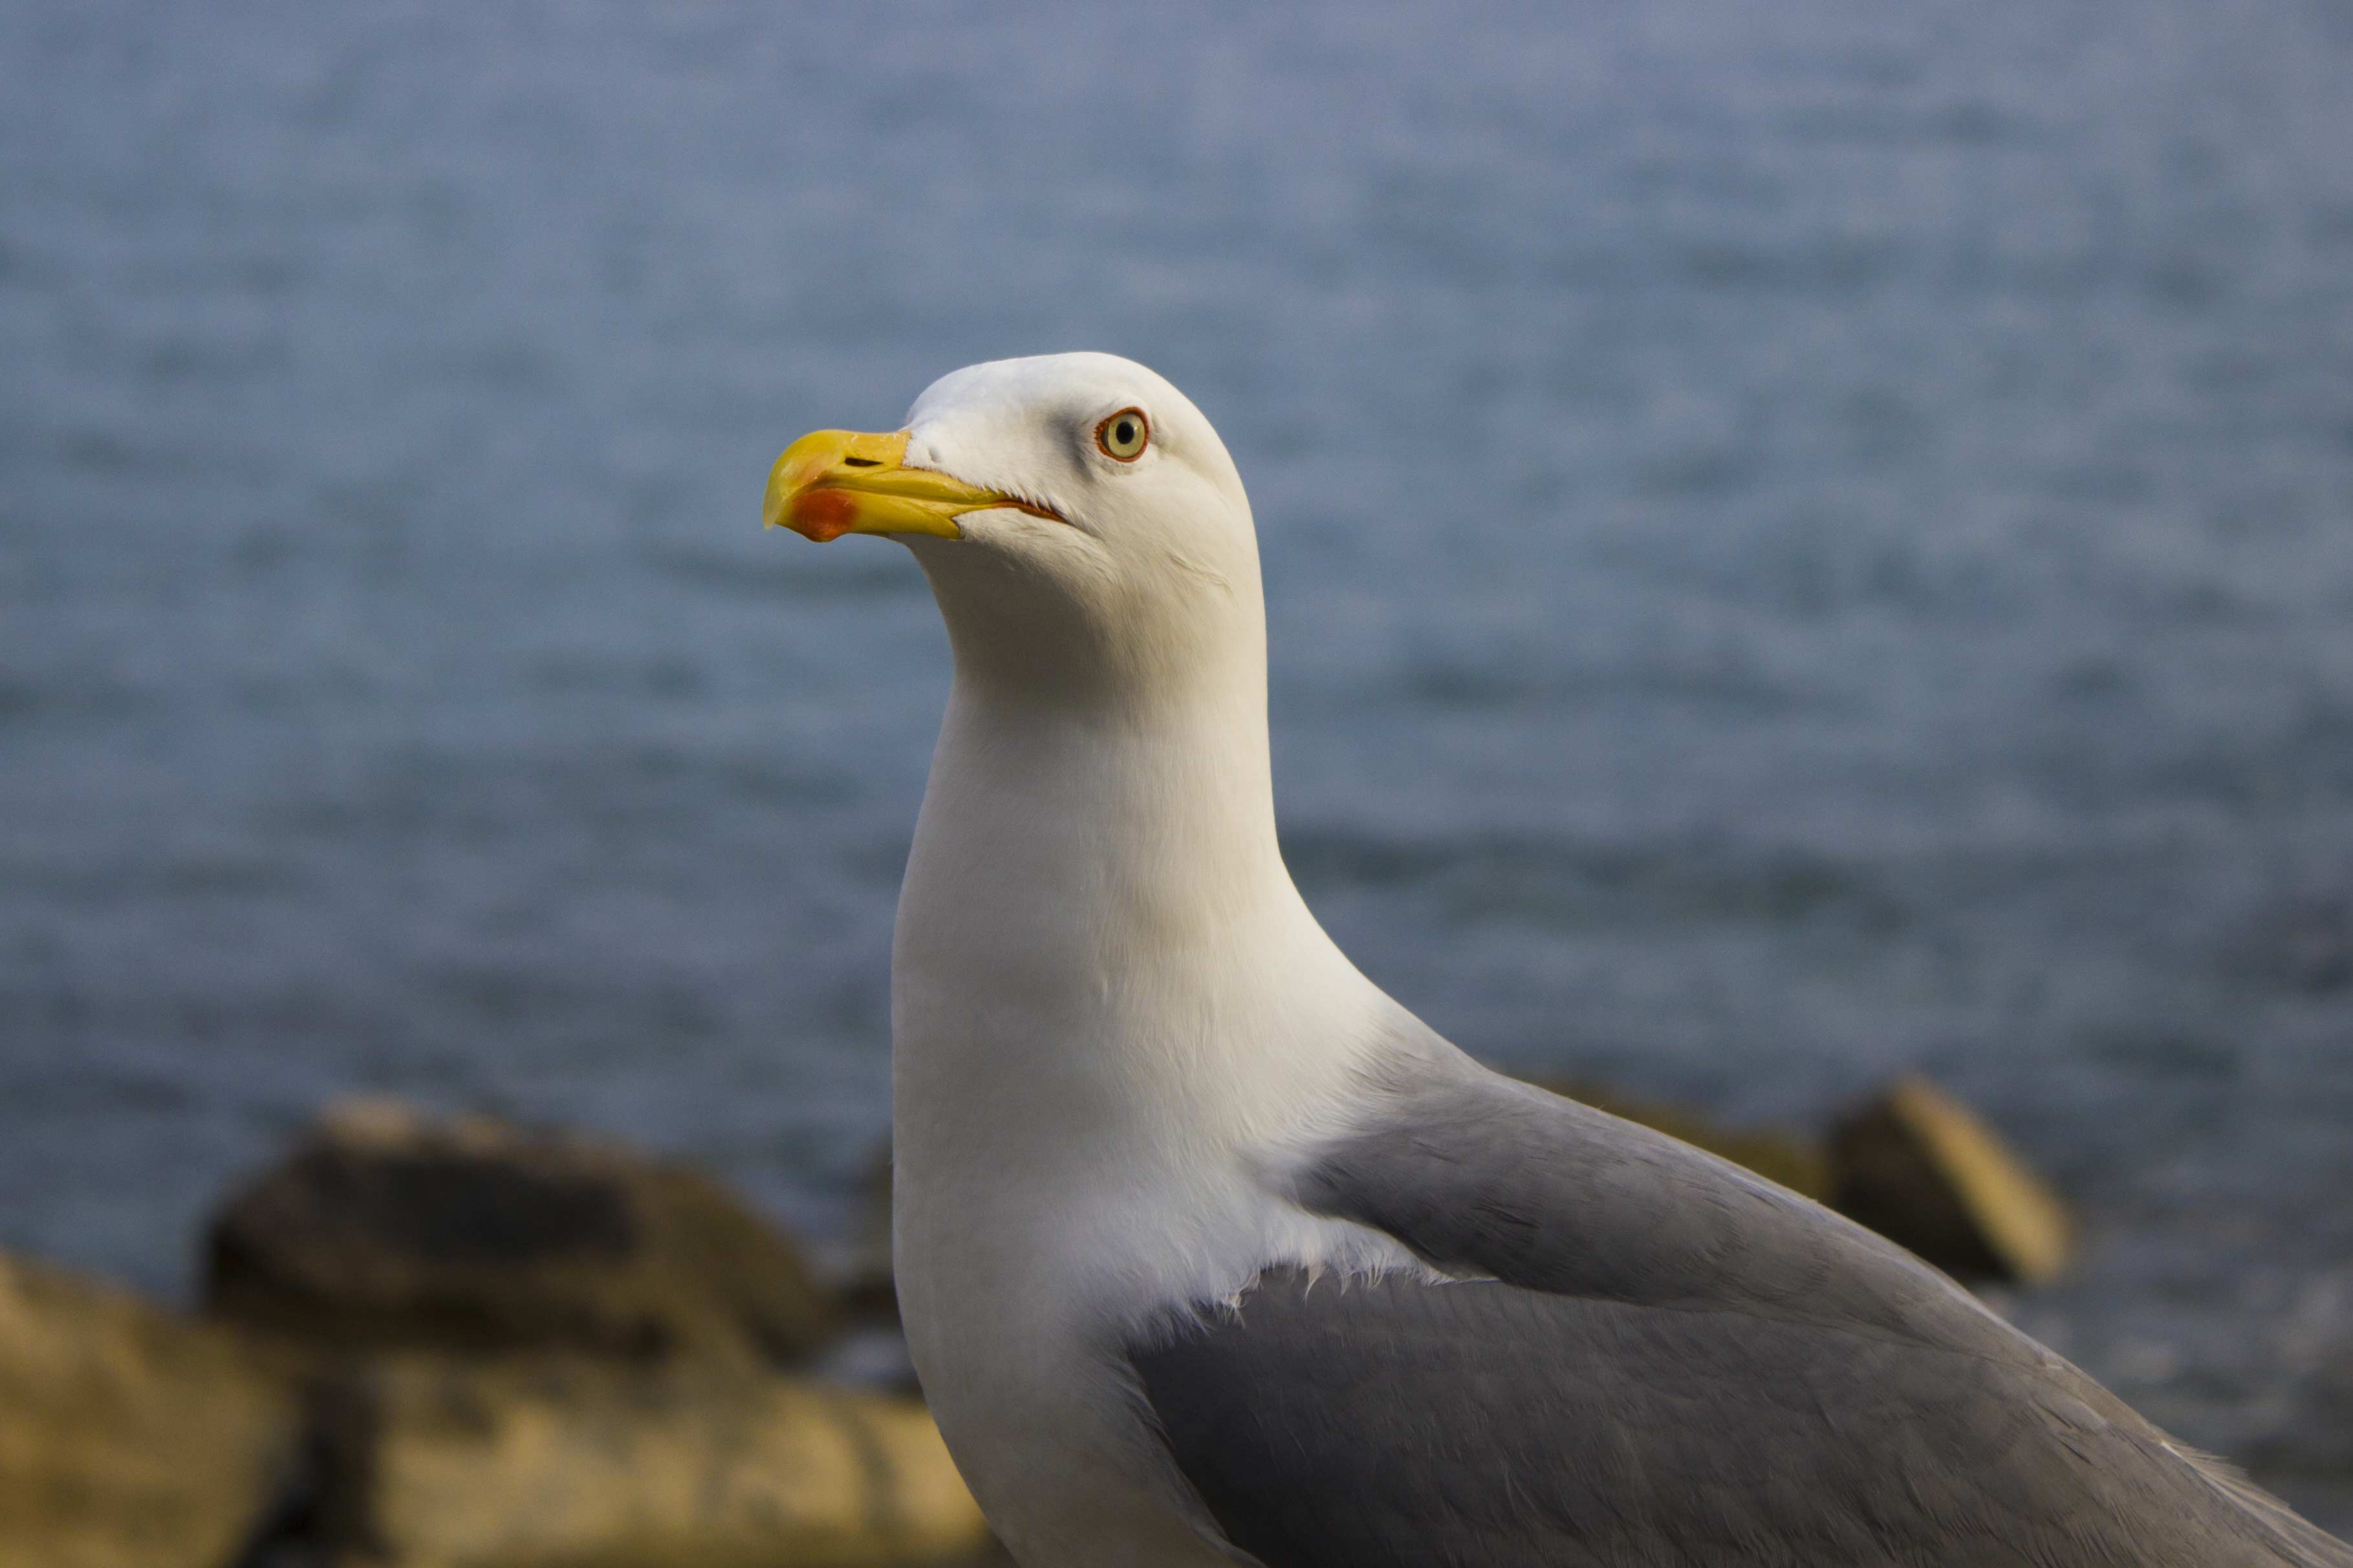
(1801, 541)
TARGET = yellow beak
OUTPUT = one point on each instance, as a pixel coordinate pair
(832, 482)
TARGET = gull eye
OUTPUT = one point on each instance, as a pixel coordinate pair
(1124, 434)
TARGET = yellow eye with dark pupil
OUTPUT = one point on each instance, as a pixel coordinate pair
(1124, 434)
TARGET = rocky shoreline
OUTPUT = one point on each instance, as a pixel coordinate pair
(452, 1343)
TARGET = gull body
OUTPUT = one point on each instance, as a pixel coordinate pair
(1209, 1252)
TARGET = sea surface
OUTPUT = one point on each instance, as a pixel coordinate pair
(1802, 542)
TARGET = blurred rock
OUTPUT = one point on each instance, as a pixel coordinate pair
(1918, 1167)
(453, 1344)
(388, 1229)
(129, 1438)
(864, 1280)
(589, 1463)
(1792, 1158)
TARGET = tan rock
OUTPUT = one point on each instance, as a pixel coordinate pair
(1920, 1168)
(129, 1438)
(388, 1229)
(583, 1464)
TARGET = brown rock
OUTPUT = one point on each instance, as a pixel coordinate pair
(1918, 1167)
(1792, 1158)
(129, 1438)
(388, 1229)
(587, 1463)
(864, 1277)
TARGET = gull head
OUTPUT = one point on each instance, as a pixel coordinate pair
(1081, 523)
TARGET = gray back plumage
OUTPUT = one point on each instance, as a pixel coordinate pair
(1646, 1357)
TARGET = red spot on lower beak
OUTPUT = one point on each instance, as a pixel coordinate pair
(823, 515)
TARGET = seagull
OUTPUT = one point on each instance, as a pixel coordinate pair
(1209, 1252)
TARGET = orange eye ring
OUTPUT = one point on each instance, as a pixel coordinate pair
(1124, 435)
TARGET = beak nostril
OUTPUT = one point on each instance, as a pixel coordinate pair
(862, 462)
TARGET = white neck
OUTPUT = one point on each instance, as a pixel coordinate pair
(1105, 986)
(1097, 923)
(1098, 944)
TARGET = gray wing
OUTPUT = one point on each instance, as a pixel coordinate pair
(1650, 1357)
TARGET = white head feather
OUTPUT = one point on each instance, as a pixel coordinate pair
(1147, 586)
